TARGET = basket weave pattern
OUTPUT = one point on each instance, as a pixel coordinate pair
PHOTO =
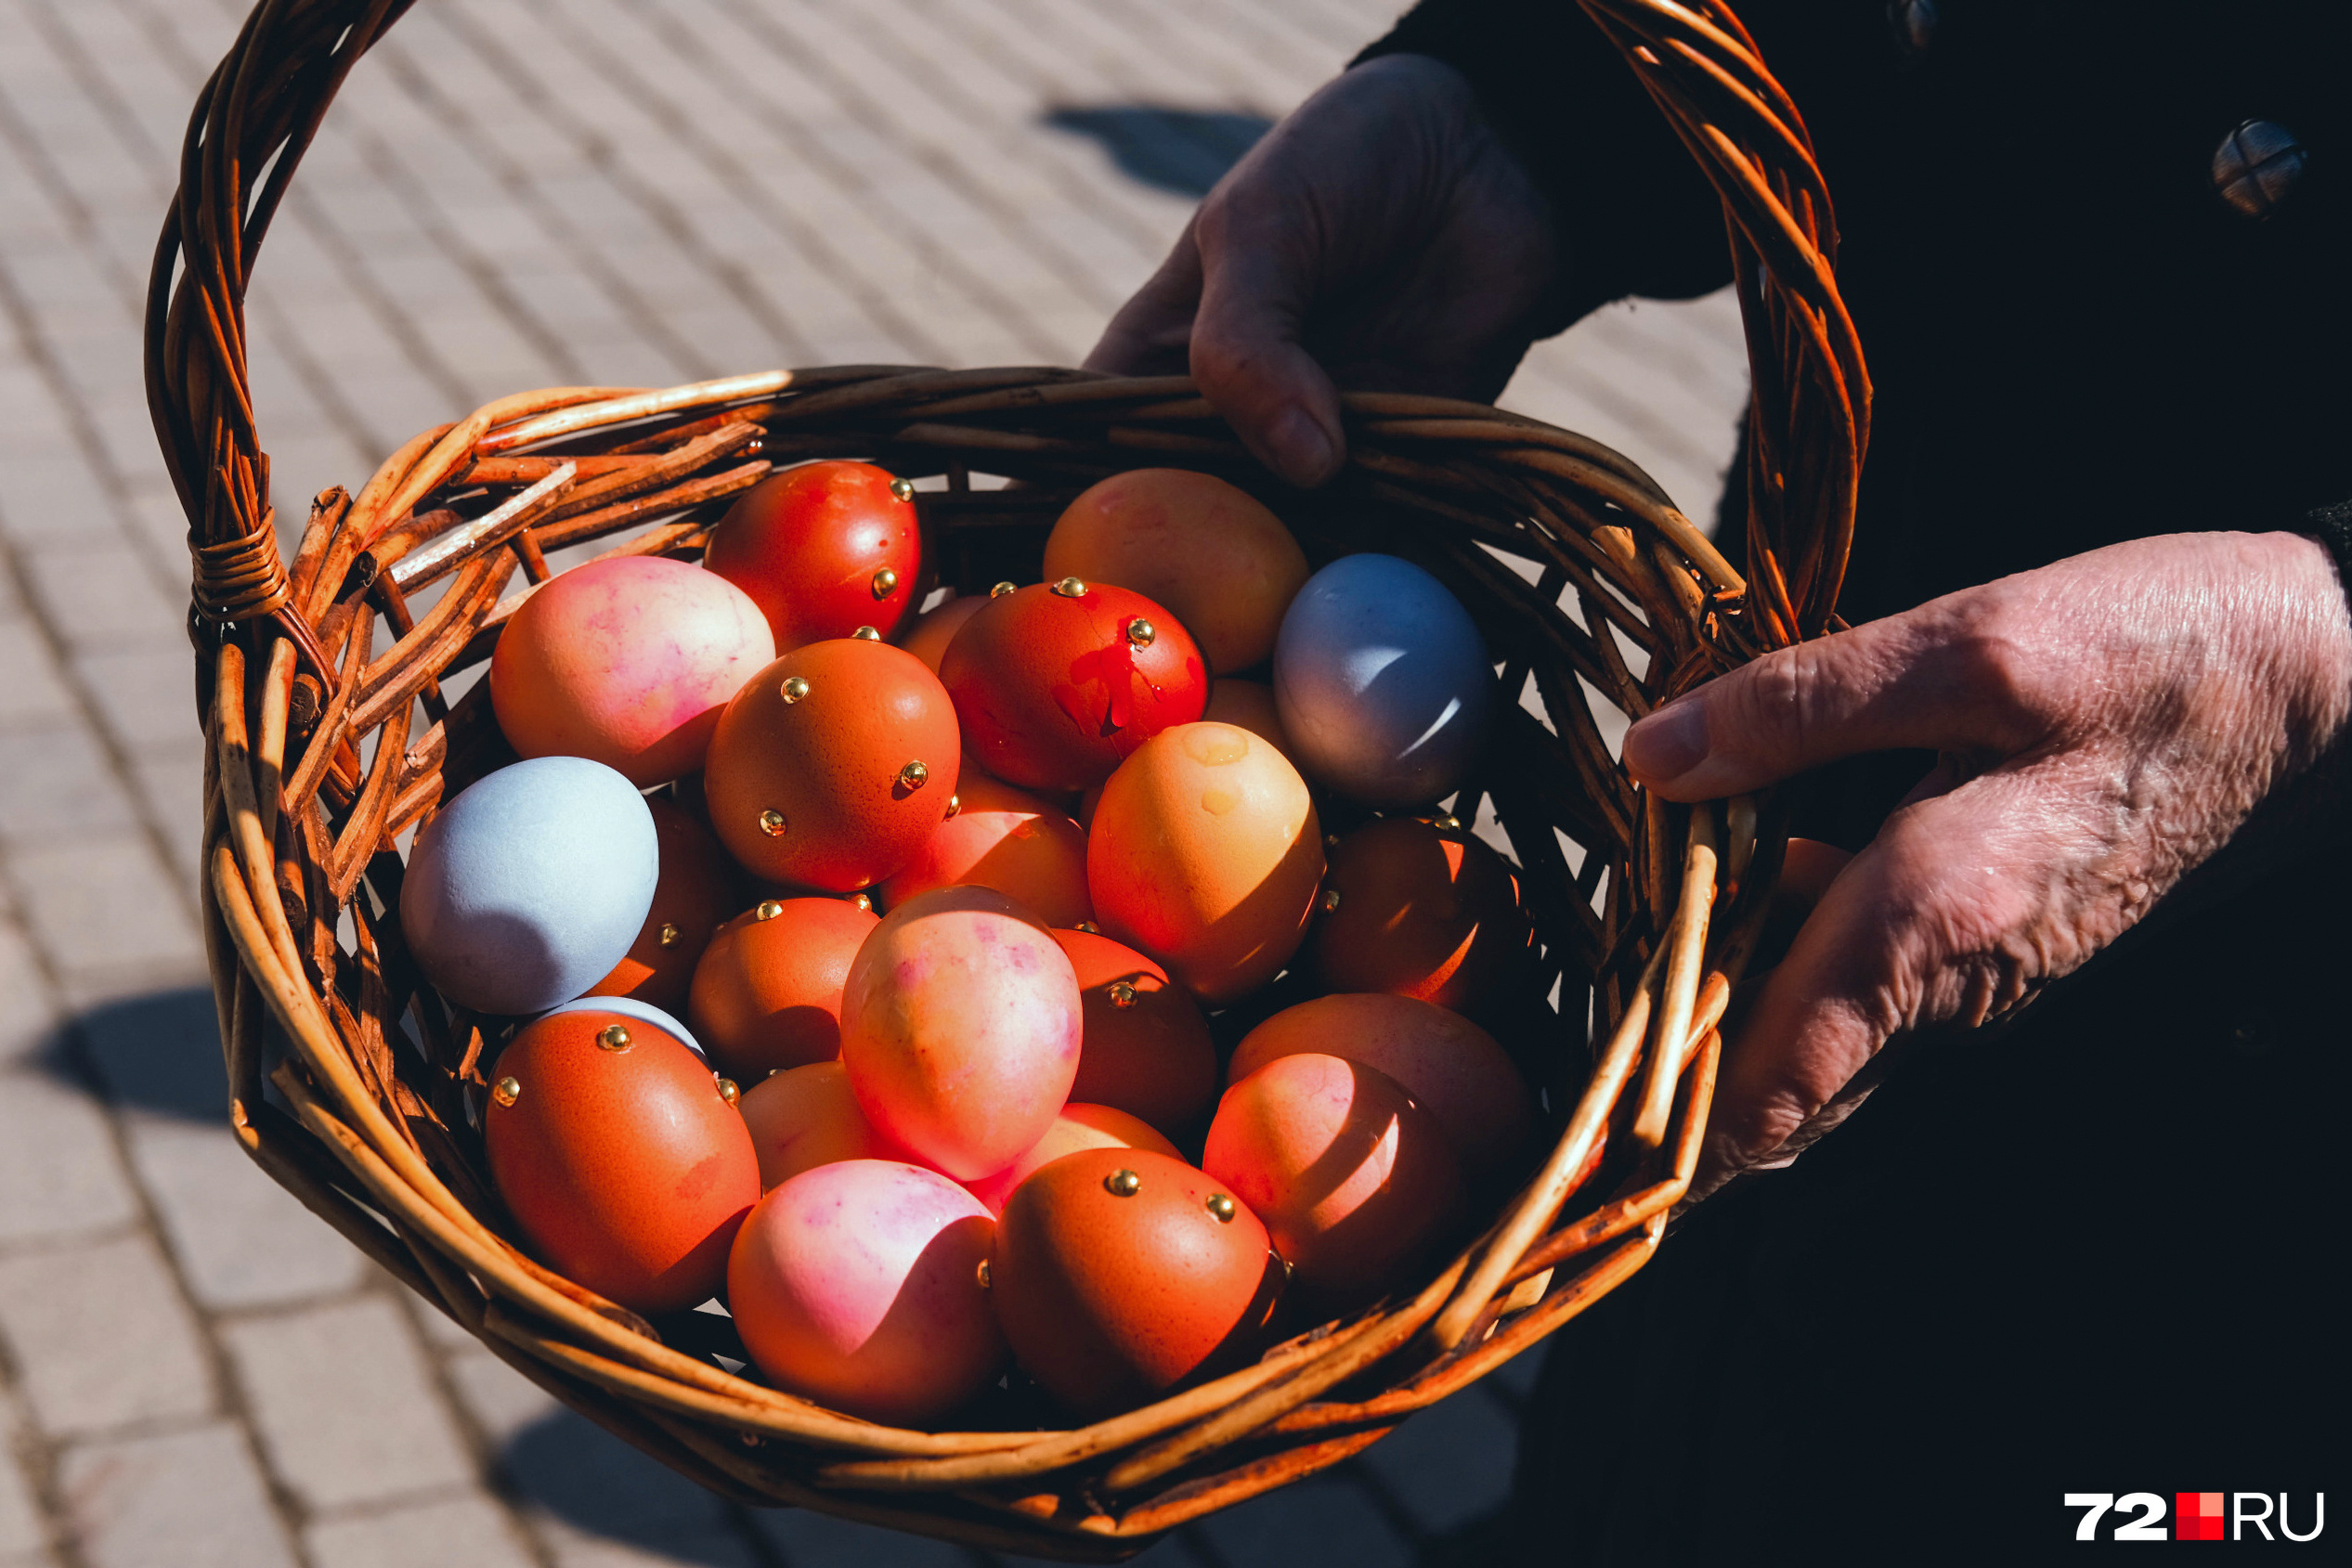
(352, 1081)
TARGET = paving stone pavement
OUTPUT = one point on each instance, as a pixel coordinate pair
(514, 193)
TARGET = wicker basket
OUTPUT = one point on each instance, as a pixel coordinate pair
(351, 1079)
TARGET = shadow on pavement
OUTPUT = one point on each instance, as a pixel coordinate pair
(158, 1052)
(1183, 151)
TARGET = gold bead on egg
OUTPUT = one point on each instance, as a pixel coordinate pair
(1330, 841)
(1089, 927)
(1222, 1207)
(1003, 589)
(864, 901)
(506, 1090)
(613, 1037)
(769, 909)
(1123, 995)
(985, 1282)
(1330, 900)
(914, 775)
(955, 803)
(866, 634)
(667, 935)
(1447, 824)
(772, 823)
(885, 583)
(1140, 632)
(1071, 587)
(1122, 1183)
(903, 488)
(727, 1090)
(795, 687)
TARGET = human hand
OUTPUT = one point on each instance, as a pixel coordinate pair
(2105, 724)
(1380, 236)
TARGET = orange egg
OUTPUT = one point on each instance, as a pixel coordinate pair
(1147, 1049)
(626, 662)
(1119, 1274)
(1079, 1126)
(613, 1147)
(831, 768)
(928, 638)
(1451, 1066)
(960, 1030)
(1248, 705)
(806, 1116)
(1209, 553)
(1205, 853)
(1023, 847)
(1418, 911)
(1353, 1178)
(767, 993)
(694, 890)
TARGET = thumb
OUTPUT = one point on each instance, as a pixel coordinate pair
(1258, 280)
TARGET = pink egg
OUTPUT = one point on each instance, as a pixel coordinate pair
(857, 1285)
(628, 661)
(960, 1026)
(1079, 1126)
(806, 1116)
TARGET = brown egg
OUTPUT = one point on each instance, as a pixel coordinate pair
(1021, 844)
(767, 993)
(695, 889)
(927, 639)
(1146, 1049)
(613, 1146)
(1247, 705)
(1451, 1066)
(806, 1116)
(1078, 1126)
(1353, 1178)
(1418, 911)
(833, 765)
(1118, 1274)
(1209, 552)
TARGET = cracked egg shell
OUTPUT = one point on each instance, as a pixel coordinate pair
(832, 766)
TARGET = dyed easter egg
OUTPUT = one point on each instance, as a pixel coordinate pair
(1382, 682)
(1054, 685)
(768, 991)
(1147, 1049)
(1119, 1274)
(1205, 853)
(1454, 1068)
(1353, 1178)
(1079, 1126)
(928, 638)
(823, 549)
(1212, 554)
(1247, 704)
(858, 1285)
(1420, 912)
(1023, 847)
(617, 1152)
(833, 765)
(629, 1007)
(693, 892)
(806, 1116)
(960, 1030)
(531, 885)
(628, 661)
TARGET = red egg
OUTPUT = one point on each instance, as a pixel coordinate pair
(858, 1285)
(695, 889)
(613, 1147)
(1002, 837)
(960, 1030)
(627, 662)
(1056, 684)
(1353, 1178)
(1418, 911)
(928, 638)
(823, 549)
(767, 993)
(1147, 1049)
(831, 768)
(806, 1116)
(1119, 1274)
(1453, 1067)
(1079, 1126)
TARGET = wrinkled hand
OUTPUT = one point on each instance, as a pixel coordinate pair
(2105, 725)
(1382, 237)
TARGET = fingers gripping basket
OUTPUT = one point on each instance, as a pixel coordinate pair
(349, 1077)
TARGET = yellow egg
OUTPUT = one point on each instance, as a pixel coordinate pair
(1205, 853)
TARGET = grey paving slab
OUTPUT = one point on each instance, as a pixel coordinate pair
(100, 1337)
(473, 1531)
(24, 1529)
(60, 783)
(33, 693)
(184, 1499)
(59, 1174)
(101, 904)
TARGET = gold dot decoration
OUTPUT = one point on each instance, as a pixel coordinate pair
(769, 909)
(1089, 927)
(1222, 1207)
(1330, 841)
(1071, 587)
(1123, 995)
(613, 1037)
(986, 1283)
(1003, 589)
(914, 775)
(1447, 824)
(667, 935)
(1330, 901)
(794, 688)
(506, 1090)
(1141, 632)
(772, 823)
(1122, 1183)
(864, 901)
(885, 583)
(866, 634)
(727, 1090)
(955, 803)
(903, 488)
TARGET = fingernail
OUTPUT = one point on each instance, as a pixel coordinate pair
(1301, 451)
(1667, 743)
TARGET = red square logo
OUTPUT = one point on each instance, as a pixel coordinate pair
(2197, 1516)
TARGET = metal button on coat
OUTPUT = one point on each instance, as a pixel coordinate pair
(1913, 23)
(2257, 165)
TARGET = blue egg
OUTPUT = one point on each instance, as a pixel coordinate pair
(628, 1006)
(1382, 681)
(529, 887)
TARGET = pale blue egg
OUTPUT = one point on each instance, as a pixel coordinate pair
(1382, 681)
(529, 887)
(628, 1006)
